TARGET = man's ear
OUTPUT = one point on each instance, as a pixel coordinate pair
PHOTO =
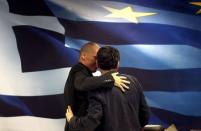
(83, 56)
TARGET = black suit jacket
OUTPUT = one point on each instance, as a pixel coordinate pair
(79, 82)
(111, 110)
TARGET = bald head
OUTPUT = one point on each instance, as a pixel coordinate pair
(88, 47)
(88, 54)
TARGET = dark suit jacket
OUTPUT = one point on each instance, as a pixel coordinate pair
(79, 82)
(111, 110)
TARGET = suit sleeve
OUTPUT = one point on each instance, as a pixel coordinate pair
(144, 112)
(91, 120)
(85, 83)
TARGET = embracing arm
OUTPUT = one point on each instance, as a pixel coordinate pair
(88, 122)
(84, 83)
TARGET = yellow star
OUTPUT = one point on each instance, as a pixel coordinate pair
(198, 4)
(126, 13)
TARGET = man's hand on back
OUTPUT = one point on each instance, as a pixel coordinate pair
(69, 113)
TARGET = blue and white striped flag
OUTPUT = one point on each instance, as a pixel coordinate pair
(159, 42)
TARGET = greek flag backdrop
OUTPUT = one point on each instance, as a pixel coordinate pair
(159, 42)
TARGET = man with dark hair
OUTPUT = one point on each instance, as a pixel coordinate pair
(109, 109)
(80, 81)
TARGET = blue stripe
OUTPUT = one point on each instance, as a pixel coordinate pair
(183, 6)
(45, 51)
(119, 33)
(178, 80)
(51, 106)
(79, 11)
(154, 57)
(31, 7)
(186, 103)
(155, 120)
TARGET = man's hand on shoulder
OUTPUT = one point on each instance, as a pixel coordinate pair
(120, 81)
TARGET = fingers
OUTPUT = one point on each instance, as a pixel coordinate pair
(122, 89)
(126, 82)
(124, 86)
(69, 110)
(69, 113)
(120, 81)
(122, 77)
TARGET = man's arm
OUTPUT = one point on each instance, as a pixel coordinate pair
(144, 112)
(88, 122)
(85, 83)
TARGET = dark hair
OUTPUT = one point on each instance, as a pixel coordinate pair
(108, 58)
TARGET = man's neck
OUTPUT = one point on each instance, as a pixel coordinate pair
(103, 71)
(106, 71)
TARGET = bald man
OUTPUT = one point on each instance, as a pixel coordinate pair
(110, 109)
(80, 81)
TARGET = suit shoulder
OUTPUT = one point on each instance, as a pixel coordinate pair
(133, 81)
(130, 77)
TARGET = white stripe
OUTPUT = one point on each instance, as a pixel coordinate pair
(28, 123)
(34, 83)
(89, 10)
(157, 57)
(45, 22)
(12, 80)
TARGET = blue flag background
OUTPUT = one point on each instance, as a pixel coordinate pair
(159, 43)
